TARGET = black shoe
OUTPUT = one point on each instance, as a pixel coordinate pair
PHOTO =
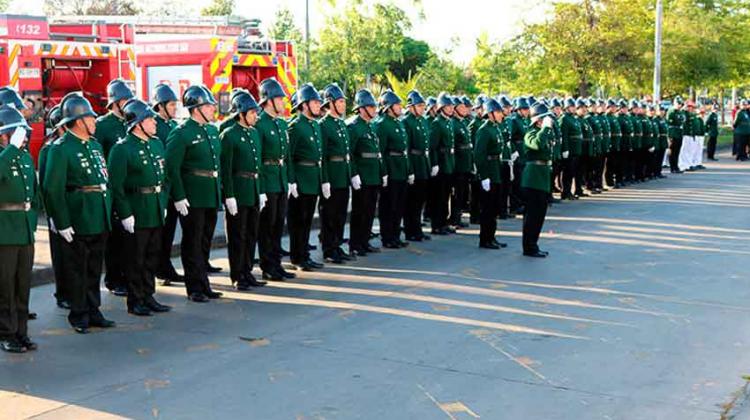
(242, 286)
(500, 244)
(488, 245)
(198, 298)
(534, 254)
(450, 230)
(358, 252)
(26, 342)
(285, 274)
(414, 238)
(139, 309)
(81, 329)
(176, 278)
(252, 281)
(272, 276)
(372, 249)
(391, 245)
(102, 323)
(284, 252)
(567, 197)
(12, 346)
(543, 252)
(311, 247)
(426, 237)
(473, 221)
(402, 244)
(333, 258)
(213, 295)
(33, 316)
(155, 306)
(344, 256)
(461, 225)
(63, 304)
(315, 263)
(213, 269)
(582, 194)
(304, 266)
(120, 291)
(440, 231)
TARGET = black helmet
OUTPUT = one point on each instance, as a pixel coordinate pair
(431, 102)
(244, 102)
(678, 100)
(53, 117)
(539, 110)
(74, 106)
(443, 100)
(581, 103)
(332, 93)
(118, 90)
(197, 95)
(504, 102)
(556, 102)
(270, 88)
(456, 101)
(611, 103)
(480, 100)
(9, 96)
(466, 101)
(531, 100)
(521, 103)
(491, 105)
(568, 102)
(388, 99)
(634, 104)
(622, 103)
(414, 98)
(162, 94)
(136, 111)
(307, 93)
(363, 98)
(11, 118)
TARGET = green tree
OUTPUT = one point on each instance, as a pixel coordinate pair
(414, 54)
(283, 28)
(90, 7)
(219, 8)
(441, 74)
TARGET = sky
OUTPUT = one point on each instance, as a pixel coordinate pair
(444, 21)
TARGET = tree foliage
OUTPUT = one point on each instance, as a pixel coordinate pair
(219, 8)
(90, 7)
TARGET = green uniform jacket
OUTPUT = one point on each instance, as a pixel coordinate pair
(442, 142)
(598, 133)
(712, 124)
(518, 126)
(636, 139)
(43, 157)
(193, 147)
(240, 165)
(742, 122)
(394, 147)
(226, 124)
(606, 133)
(163, 128)
(338, 171)
(537, 173)
(73, 163)
(626, 128)
(305, 153)
(699, 127)
(647, 128)
(587, 146)
(109, 130)
(18, 185)
(615, 132)
(663, 133)
(489, 152)
(419, 145)
(687, 124)
(675, 120)
(557, 142)
(135, 164)
(571, 133)
(274, 146)
(463, 146)
(367, 161)
(474, 125)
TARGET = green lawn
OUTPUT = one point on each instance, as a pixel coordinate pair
(725, 137)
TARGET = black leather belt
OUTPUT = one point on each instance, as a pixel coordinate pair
(416, 152)
(338, 158)
(308, 163)
(204, 173)
(156, 189)
(368, 155)
(539, 162)
(493, 157)
(396, 153)
(245, 174)
(87, 188)
(273, 162)
(26, 206)
(464, 147)
(447, 150)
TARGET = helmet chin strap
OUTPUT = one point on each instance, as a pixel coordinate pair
(243, 117)
(370, 116)
(166, 110)
(273, 104)
(205, 120)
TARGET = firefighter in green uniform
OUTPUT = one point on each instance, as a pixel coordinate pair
(335, 175)
(517, 125)
(626, 142)
(555, 107)
(231, 121)
(675, 120)
(712, 132)
(193, 164)
(464, 149)
(587, 147)
(54, 133)
(136, 177)
(684, 161)
(274, 146)
(653, 164)
(592, 182)
(606, 141)
(110, 128)
(647, 142)
(613, 174)
(536, 177)
(506, 169)
(19, 203)
(368, 172)
(394, 147)
(636, 140)
(417, 133)
(490, 150)
(80, 207)
(699, 129)
(443, 153)
(164, 103)
(242, 189)
(663, 142)
(572, 136)
(305, 155)
(475, 187)
(431, 108)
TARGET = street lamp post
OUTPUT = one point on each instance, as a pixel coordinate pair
(657, 53)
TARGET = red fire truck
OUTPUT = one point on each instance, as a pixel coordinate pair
(45, 64)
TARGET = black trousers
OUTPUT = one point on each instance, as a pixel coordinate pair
(114, 257)
(460, 198)
(416, 197)
(474, 192)
(504, 190)
(711, 147)
(442, 194)
(364, 202)
(143, 259)
(301, 212)
(195, 227)
(16, 262)
(208, 235)
(556, 171)
(83, 271)
(675, 144)
(270, 230)
(515, 194)
(658, 158)
(57, 265)
(391, 209)
(569, 172)
(488, 215)
(533, 219)
(242, 235)
(742, 143)
(433, 187)
(609, 169)
(166, 269)
(333, 219)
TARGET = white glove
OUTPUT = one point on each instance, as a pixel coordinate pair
(651, 149)
(512, 175)
(410, 179)
(18, 138)
(326, 190)
(486, 184)
(231, 205)
(565, 154)
(67, 234)
(262, 201)
(293, 190)
(51, 226)
(547, 122)
(513, 156)
(128, 224)
(356, 182)
(385, 180)
(182, 207)
(434, 170)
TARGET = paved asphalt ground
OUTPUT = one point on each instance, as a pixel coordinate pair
(642, 311)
